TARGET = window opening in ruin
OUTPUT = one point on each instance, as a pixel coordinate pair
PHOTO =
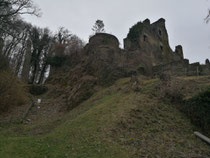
(145, 37)
(161, 47)
(160, 32)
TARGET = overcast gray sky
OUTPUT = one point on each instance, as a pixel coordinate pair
(184, 19)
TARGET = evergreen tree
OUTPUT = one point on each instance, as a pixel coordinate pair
(98, 27)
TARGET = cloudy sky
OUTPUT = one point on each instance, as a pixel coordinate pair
(184, 19)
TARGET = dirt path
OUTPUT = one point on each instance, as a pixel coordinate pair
(48, 110)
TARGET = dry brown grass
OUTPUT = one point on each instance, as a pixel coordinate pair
(171, 89)
(12, 92)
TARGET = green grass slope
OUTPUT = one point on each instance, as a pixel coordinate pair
(114, 123)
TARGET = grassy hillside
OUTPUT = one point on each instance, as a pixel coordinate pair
(115, 122)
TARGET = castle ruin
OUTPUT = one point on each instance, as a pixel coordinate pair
(146, 51)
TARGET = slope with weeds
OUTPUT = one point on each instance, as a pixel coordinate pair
(114, 122)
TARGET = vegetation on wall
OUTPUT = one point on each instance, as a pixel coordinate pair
(135, 32)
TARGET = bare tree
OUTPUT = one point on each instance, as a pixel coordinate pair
(14, 32)
(40, 39)
(17, 7)
(1, 45)
(61, 39)
(14, 47)
(75, 45)
(207, 17)
(10, 11)
(63, 35)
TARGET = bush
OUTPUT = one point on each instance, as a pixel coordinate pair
(135, 32)
(170, 89)
(11, 92)
(165, 77)
(38, 90)
(197, 109)
(57, 61)
(4, 63)
(171, 92)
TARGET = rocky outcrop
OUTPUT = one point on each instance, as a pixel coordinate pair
(80, 91)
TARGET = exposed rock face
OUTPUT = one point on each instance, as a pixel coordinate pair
(80, 91)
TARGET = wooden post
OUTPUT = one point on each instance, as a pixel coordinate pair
(197, 69)
(202, 137)
(28, 109)
(185, 71)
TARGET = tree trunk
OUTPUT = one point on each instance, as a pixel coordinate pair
(43, 71)
(1, 45)
(27, 61)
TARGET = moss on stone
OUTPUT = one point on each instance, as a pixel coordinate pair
(135, 32)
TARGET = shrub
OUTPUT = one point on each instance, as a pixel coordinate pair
(197, 109)
(57, 61)
(38, 90)
(171, 92)
(170, 89)
(165, 77)
(12, 92)
(135, 32)
(4, 63)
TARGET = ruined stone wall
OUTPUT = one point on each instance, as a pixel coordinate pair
(104, 58)
(148, 44)
(146, 51)
(148, 47)
(176, 68)
(104, 39)
(182, 68)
